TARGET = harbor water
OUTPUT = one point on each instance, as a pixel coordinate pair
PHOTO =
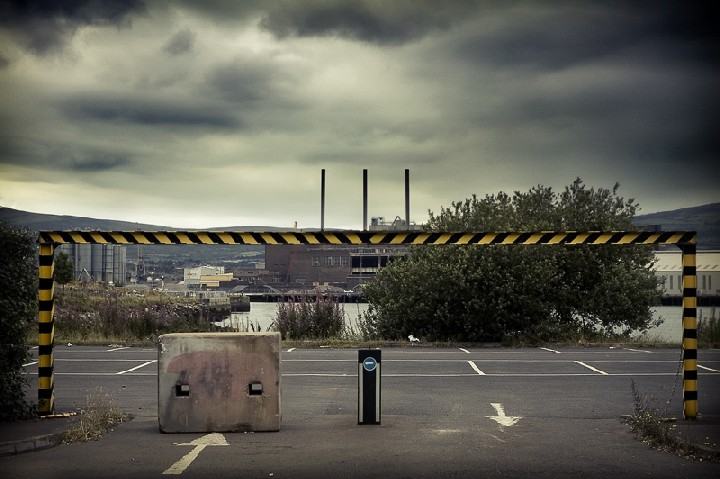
(262, 315)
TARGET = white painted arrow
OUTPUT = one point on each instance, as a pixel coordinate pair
(214, 439)
(501, 418)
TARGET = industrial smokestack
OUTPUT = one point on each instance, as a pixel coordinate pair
(365, 199)
(407, 198)
(322, 199)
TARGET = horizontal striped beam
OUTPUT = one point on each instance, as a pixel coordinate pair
(368, 237)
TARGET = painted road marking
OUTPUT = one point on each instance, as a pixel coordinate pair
(291, 350)
(477, 369)
(550, 350)
(708, 369)
(137, 367)
(449, 375)
(637, 350)
(464, 350)
(117, 349)
(591, 368)
(30, 363)
(214, 439)
(34, 347)
(501, 418)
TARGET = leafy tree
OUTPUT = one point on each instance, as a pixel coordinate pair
(63, 269)
(17, 312)
(543, 292)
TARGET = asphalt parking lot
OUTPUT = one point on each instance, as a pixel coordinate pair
(437, 416)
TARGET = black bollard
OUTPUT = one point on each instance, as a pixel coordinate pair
(369, 386)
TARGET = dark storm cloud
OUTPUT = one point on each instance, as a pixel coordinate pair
(60, 157)
(42, 26)
(4, 62)
(181, 42)
(147, 112)
(566, 34)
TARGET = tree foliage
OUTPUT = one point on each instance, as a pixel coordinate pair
(63, 269)
(17, 313)
(490, 293)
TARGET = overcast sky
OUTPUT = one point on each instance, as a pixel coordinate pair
(217, 113)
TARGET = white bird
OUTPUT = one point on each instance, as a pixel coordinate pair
(413, 339)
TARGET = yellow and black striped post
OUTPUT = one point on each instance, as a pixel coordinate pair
(690, 338)
(46, 329)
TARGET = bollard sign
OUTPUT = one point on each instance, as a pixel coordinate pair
(369, 361)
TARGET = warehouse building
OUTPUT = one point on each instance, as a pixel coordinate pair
(97, 262)
(668, 269)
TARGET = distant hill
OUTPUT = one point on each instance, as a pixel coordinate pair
(704, 219)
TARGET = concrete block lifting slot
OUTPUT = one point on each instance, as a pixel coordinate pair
(219, 382)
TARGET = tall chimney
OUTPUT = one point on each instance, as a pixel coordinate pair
(407, 199)
(365, 197)
(322, 200)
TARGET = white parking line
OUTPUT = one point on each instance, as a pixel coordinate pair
(637, 350)
(34, 347)
(30, 363)
(550, 350)
(477, 369)
(708, 369)
(137, 367)
(591, 368)
(291, 350)
(464, 350)
(117, 349)
(353, 375)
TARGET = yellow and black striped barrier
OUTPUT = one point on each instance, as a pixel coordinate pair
(684, 239)
(46, 329)
(367, 237)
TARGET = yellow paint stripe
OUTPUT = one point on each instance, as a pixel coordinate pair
(57, 238)
(183, 238)
(443, 239)
(690, 302)
(688, 260)
(226, 238)
(689, 322)
(163, 238)
(45, 339)
(332, 238)
(45, 294)
(465, 239)
(291, 238)
(628, 238)
(534, 238)
(557, 238)
(510, 239)
(120, 239)
(377, 238)
(689, 281)
(652, 239)
(45, 382)
(354, 238)
(46, 271)
(690, 343)
(487, 238)
(97, 237)
(204, 238)
(690, 384)
(77, 238)
(674, 239)
(311, 239)
(398, 238)
(248, 238)
(140, 238)
(603, 238)
(689, 364)
(580, 239)
(45, 316)
(45, 361)
(268, 239)
(421, 238)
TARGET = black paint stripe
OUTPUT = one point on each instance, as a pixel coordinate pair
(45, 304)
(127, 236)
(278, 238)
(689, 270)
(344, 238)
(499, 238)
(172, 237)
(687, 237)
(193, 237)
(689, 312)
(592, 237)
(45, 350)
(45, 393)
(258, 238)
(45, 283)
(87, 236)
(66, 237)
(45, 372)
(215, 238)
(46, 260)
(321, 238)
(454, 238)
(523, 238)
(689, 292)
(691, 374)
(546, 237)
(690, 333)
(689, 353)
(46, 327)
(643, 237)
(690, 395)
(664, 237)
(617, 237)
(152, 238)
(302, 238)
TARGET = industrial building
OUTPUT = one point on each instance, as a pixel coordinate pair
(206, 277)
(97, 262)
(668, 269)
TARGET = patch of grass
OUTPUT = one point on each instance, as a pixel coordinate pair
(99, 415)
(660, 432)
(709, 331)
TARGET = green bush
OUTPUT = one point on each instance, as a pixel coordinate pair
(18, 307)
